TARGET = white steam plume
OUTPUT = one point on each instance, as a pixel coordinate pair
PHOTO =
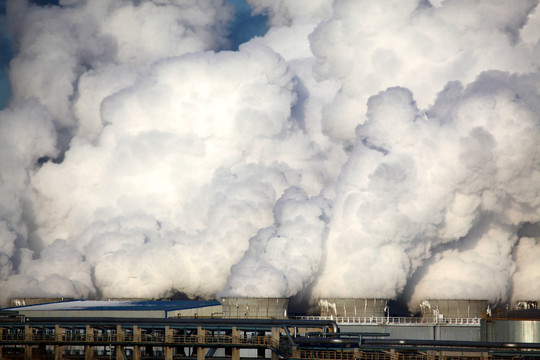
(452, 185)
(359, 148)
(526, 278)
(370, 46)
(107, 41)
(272, 266)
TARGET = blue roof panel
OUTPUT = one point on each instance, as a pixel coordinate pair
(120, 305)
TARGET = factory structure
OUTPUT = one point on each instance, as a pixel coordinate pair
(261, 328)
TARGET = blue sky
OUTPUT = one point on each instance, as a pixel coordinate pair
(246, 26)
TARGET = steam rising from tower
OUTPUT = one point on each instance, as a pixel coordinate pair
(358, 149)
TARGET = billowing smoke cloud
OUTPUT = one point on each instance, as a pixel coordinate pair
(271, 267)
(358, 148)
(525, 281)
(72, 57)
(452, 185)
(370, 46)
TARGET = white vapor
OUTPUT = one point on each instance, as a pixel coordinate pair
(358, 148)
(450, 185)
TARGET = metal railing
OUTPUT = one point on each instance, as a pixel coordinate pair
(387, 320)
(114, 338)
(513, 315)
(363, 355)
(285, 348)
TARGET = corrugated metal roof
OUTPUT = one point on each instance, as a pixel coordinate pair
(119, 305)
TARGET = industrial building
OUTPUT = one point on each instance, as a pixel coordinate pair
(147, 309)
(258, 328)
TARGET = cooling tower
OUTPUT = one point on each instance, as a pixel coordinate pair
(450, 308)
(353, 307)
(254, 308)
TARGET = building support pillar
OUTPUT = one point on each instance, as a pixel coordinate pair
(58, 337)
(235, 355)
(28, 336)
(136, 338)
(201, 351)
(88, 348)
(120, 336)
(169, 349)
(275, 342)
